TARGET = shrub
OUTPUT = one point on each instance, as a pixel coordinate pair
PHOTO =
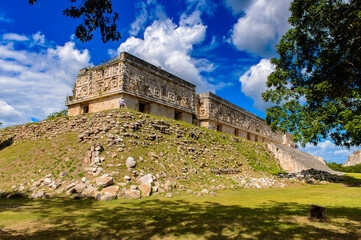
(54, 115)
(340, 168)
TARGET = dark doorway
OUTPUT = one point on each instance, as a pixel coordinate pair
(177, 115)
(219, 127)
(248, 136)
(85, 108)
(236, 132)
(144, 107)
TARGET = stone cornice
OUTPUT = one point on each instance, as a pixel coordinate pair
(137, 62)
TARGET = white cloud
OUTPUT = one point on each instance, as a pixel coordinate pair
(237, 6)
(202, 6)
(149, 10)
(254, 82)
(329, 151)
(15, 37)
(169, 45)
(35, 83)
(39, 38)
(8, 115)
(261, 28)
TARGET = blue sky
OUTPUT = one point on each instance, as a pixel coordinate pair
(221, 46)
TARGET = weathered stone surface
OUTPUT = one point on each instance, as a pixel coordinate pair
(108, 193)
(110, 189)
(39, 194)
(131, 194)
(80, 187)
(294, 160)
(204, 191)
(147, 179)
(353, 159)
(145, 188)
(312, 175)
(72, 185)
(130, 163)
(317, 212)
(89, 191)
(104, 181)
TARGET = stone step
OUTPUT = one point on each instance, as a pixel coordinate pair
(294, 160)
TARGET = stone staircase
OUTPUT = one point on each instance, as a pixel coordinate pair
(293, 160)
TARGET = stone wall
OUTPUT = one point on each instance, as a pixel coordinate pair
(101, 87)
(150, 89)
(226, 117)
(353, 159)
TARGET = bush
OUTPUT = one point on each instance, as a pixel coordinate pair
(54, 115)
(340, 168)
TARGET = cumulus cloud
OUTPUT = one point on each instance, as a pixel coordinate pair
(329, 151)
(8, 115)
(15, 37)
(237, 6)
(33, 83)
(260, 29)
(254, 82)
(38, 38)
(169, 45)
(149, 10)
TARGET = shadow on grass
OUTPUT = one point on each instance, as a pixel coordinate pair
(350, 181)
(148, 219)
(6, 143)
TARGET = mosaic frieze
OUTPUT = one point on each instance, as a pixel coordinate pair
(133, 80)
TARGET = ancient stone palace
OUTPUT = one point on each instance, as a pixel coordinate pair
(149, 89)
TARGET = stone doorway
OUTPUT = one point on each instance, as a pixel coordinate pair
(85, 108)
(144, 107)
(236, 132)
(219, 127)
(177, 115)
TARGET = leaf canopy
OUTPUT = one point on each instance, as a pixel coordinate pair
(317, 81)
(94, 14)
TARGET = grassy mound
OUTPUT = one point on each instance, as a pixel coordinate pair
(172, 150)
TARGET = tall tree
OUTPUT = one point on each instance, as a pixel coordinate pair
(316, 86)
(94, 14)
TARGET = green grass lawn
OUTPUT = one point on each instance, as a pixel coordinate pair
(237, 214)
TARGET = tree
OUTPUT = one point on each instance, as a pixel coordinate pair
(94, 14)
(317, 81)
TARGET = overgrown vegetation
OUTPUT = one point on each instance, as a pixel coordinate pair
(340, 168)
(186, 159)
(54, 115)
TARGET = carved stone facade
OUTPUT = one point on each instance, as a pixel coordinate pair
(143, 86)
(218, 114)
(147, 88)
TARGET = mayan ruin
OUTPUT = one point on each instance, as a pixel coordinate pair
(149, 89)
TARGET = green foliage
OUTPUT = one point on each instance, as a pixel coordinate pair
(340, 168)
(317, 81)
(54, 115)
(94, 14)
